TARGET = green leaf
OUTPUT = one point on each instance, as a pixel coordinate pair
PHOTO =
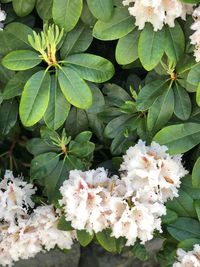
(83, 150)
(106, 241)
(35, 98)
(197, 208)
(149, 93)
(78, 40)
(116, 125)
(76, 122)
(175, 42)
(190, 1)
(140, 252)
(21, 60)
(194, 75)
(121, 143)
(90, 67)
(55, 179)
(161, 111)
(23, 7)
(118, 26)
(101, 9)
(170, 217)
(16, 84)
(37, 146)
(64, 225)
(182, 205)
(184, 228)
(76, 91)
(188, 244)
(84, 238)
(58, 107)
(44, 9)
(179, 138)
(83, 137)
(183, 106)
(151, 47)
(66, 13)
(196, 174)
(98, 100)
(198, 95)
(8, 116)
(127, 48)
(19, 31)
(42, 165)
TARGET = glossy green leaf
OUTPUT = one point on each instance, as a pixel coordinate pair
(118, 26)
(196, 174)
(37, 146)
(179, 138)
(101, 9)
(8, 116)
(127, 48)
(197, 208)
(116, 125)
(184, 228)
(194, 75)
(188, 244)
(19, 31)
(91, 67)
(161, 111)
(64, 225)
(149, 93)
(182, 205)
(42, 165)
(21, 60)
(106, 241)
(183, 106)
(23, 7)
(58, 107)
(66, 13)
(151, 47)
(198, 95)
(44, 9)
(75, 89)
(78, 40)
(170, 217)
(16, 84)
(84, 237)
(175, 42)
(35, 98)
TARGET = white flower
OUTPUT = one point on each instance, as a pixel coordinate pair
(15, 198)
(2, 17)
(45, 221)
(32, 236)
(157, 12)
(195, 37)
(188, 259)
(85, 196)
(150, 167)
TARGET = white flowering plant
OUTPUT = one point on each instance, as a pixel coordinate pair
(100, 127)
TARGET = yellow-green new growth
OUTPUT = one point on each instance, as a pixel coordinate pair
(46, 42)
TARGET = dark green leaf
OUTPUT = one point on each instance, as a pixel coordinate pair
(179, 138)
(35, 98)
(76, 91)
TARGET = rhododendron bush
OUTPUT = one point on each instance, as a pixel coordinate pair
(100, 127)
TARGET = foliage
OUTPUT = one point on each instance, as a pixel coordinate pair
(79, 84)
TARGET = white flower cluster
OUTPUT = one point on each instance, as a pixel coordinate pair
(157, 12)
(195, 37)
(131, 206)
(188, 259)
(22, 235)
(2, 17)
